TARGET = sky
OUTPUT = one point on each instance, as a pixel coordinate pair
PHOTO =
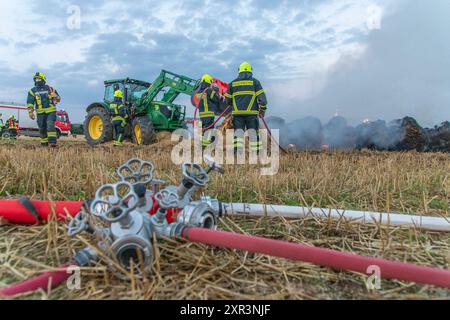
(358, 58)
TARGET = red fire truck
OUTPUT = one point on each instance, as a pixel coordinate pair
(28, 127)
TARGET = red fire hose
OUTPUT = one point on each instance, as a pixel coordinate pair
(215, 122)
(51, 279)
(223, 114)
(270, 134)
(19, 212)
(320, 256)
(218, 119)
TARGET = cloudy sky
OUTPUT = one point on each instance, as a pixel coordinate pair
(360, 58)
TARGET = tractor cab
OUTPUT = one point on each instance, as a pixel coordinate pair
(132, 90)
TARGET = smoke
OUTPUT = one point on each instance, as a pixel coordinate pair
(403, 70)
(399, 135)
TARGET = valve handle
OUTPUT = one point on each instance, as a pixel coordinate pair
(167, 199)
(213, 165)
(136, 171)
(77, 225)
(113, 202)
(195, 174)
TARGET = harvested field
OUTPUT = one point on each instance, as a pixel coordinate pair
(411, 183)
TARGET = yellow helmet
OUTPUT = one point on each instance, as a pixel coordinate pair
(11, 116)
(40, 75)
(118, 94)
(245, 67)
(207, 79)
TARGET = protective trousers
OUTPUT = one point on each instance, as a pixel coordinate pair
(240, 125)
(207, 129)
(47, 128)
(12, 133)
(119, 131)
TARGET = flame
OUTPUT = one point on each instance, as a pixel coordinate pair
(366, 121)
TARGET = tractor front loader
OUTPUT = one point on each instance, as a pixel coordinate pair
(150, 107)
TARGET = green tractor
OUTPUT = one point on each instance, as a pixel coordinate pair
(150, 107)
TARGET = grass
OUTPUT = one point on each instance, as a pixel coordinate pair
(401, 182)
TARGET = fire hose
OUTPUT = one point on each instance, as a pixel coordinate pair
(223, 114)
(440, 224)
(276, 248)
(25, 211)
(214, 123)
(270, 134)
(320, 256)
(51, 279)
(133, 216)
(14, 212)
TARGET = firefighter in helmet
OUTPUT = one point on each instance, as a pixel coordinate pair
(13, 127)
(209, 97)
(44, 99)
(246, 95)
(118, 116)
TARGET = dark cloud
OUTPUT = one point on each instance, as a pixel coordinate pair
(405, 71)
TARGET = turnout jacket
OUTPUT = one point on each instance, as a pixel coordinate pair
(43, 98)
(246, 95)
(209, 100)
(12, 124)
(117, 110)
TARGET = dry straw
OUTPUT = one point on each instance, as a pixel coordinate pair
(408, 183)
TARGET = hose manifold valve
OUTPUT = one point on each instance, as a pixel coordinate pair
(126, 208)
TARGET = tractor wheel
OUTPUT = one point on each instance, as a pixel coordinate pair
(97, 126)
(5, 135)
(143, 132)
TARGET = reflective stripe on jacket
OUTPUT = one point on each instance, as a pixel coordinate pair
(117, 110)
(246, 95)
(12, 124)
(209, 100)
(43, 99)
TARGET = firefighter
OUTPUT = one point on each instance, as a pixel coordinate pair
(44, 99)
(209, 96)
(117, 88)
(118, 116)
(246, 95)
(13, 127)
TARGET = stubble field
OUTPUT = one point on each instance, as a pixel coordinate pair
(410, 183)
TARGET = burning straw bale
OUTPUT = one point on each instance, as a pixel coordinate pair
(339, 135)
(305, 134)
(439, 138)
(407, 135)
(400, 135)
